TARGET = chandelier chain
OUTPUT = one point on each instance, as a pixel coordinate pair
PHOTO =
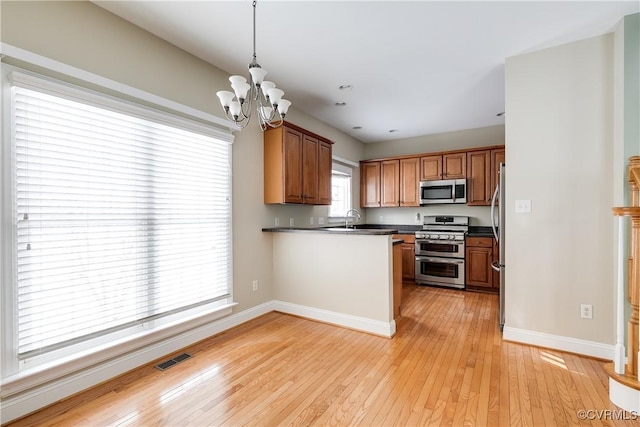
(238, 105)
(254, 31)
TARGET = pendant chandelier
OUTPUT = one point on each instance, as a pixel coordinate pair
(238, 105)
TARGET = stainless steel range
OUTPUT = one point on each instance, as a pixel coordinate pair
(440, 251)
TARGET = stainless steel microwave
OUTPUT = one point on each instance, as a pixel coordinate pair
(443, 191)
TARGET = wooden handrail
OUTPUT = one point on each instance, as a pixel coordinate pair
(633, 264)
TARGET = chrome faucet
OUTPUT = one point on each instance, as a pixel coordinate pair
(347, 216)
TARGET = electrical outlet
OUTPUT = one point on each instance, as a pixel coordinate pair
(321, 220)
(311, 220)
(586, 311)
(277, 222)
(417, 219)
(291, 222)
(380, 218)
(255, 285)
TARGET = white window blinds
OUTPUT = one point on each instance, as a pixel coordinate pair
(121, 219)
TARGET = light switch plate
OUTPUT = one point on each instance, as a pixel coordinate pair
(523, 206)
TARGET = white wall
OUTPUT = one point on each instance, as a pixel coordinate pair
(559, 140)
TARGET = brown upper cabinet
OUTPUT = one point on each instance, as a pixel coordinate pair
(370, 185)
(310, 170)
(482, 175)
(396, 181)
(410, 182)
(443, 166)
(325, 161)
(297, 166)
(497, 157)
(390, 183)
(479, 178)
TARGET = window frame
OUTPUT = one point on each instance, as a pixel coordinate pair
(17, 375)
(347, 170)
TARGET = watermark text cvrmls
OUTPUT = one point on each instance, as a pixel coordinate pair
(607, 414)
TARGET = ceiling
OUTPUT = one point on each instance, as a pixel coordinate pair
(419, 67)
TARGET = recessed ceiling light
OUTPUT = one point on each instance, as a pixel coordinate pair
(341, 104)
(345, 87)
(356, 127)
(393, 130)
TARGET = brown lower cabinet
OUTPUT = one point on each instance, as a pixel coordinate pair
(479, 255)
(408, 256)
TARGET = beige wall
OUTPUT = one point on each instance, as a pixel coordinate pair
(478, 215)
(471, 138)
(86, 36)
(559, 139)
(324, 271)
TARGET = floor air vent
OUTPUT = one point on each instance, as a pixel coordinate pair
(169, 363)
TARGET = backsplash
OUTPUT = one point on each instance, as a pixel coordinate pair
(478, 215)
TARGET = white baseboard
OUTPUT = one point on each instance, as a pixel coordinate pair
(376, 327)
(572, 345)
(29, 401)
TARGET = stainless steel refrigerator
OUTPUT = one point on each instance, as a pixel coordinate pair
(498, 208)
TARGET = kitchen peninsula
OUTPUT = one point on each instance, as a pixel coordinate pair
(337, 275)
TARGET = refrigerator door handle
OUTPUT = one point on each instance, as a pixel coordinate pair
(493, 215)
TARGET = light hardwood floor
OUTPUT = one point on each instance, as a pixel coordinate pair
(447, 365)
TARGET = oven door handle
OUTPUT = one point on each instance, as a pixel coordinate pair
(441, 260)
(444, 242)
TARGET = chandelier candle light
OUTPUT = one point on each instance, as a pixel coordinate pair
(238, 104)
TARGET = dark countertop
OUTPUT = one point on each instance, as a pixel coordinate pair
(362, 229)
(402, 228)
(374, 230)
(335, 230)
(480, 231)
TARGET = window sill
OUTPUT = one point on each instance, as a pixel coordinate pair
(43, 373)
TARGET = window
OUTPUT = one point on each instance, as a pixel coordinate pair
(122, 218)
(340, 190)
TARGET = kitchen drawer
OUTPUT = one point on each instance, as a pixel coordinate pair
(408, 238)
(482, 242)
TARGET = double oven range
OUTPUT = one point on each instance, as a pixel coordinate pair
(440, 251)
